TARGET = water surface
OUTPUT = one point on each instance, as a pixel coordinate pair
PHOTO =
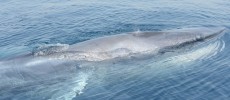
(199, 74)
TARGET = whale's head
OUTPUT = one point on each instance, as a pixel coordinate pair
(183, 33)
(201, 32)
(179, 37)
(187, 37)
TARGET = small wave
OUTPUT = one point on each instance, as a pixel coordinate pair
(223, 46)
(71, 89)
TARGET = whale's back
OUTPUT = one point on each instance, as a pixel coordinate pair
(125, 44)
(146, 41)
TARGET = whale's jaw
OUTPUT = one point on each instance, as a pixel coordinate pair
(186, 36)
(204, 32)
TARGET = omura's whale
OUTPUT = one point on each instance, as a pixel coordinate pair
(125, 44)
(55, 62)
(109, 47)
(132, 43)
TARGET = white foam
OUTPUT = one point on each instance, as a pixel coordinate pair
(81, 83)
(73, 87)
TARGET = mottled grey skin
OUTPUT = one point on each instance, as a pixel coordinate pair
(142, 42)
(44, 66)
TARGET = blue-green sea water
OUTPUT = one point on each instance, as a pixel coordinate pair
(200, 74)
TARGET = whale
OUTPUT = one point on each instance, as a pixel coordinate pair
(132, 43)
(53, 62)
(120, 45)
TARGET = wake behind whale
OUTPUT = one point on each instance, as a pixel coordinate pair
(50, 64)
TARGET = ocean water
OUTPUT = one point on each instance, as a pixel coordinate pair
(198, 74)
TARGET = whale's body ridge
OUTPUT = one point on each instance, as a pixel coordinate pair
(140, 42)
